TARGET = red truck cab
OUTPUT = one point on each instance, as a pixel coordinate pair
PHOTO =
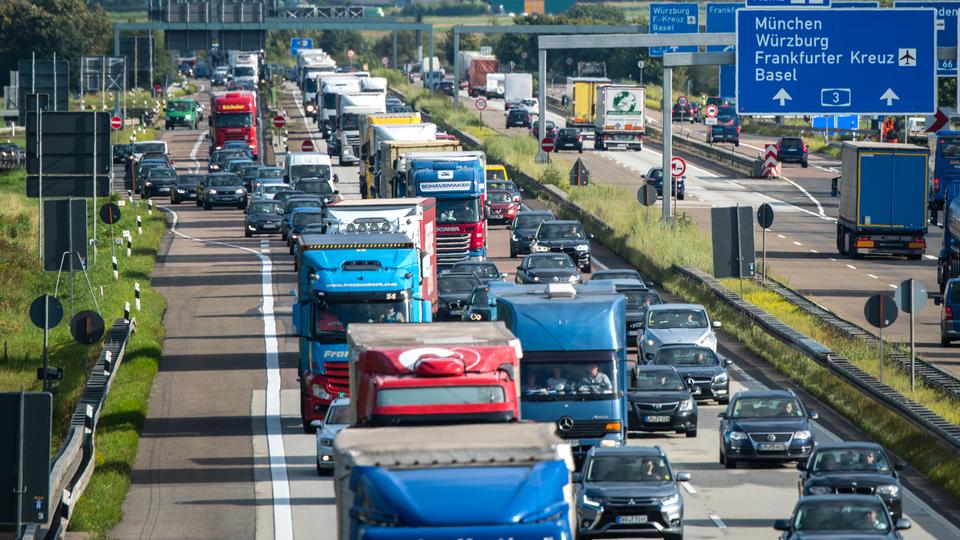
(439, 373)
(234, 118)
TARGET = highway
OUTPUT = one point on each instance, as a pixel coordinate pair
(222, 453)
(801, 245)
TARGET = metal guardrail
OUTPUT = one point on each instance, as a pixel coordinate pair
(910, 410)
(71, 469)
(931, 375)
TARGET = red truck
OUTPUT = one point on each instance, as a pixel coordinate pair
(479, 68)
(234, 118)
(437, 373)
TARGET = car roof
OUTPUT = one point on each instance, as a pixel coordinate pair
(839, 498)
(656, 367)
(763, 394)
(631, 450)
(686, 346)
(533, 212)
(458, 274)
(626, 283)
(839, 445)
(473, 263)
(561, 222)
(658, 307)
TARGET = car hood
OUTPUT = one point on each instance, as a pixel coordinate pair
(449, 297)
(264, 217)
(560, 243)
(678, 335)
(751, 425)
(630, 489)
(657, 396)
(526, 234)
(330, 430)
(161, 181)
(843, 478)
(558, 275)
(698, 372)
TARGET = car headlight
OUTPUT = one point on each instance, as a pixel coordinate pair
(651, 341)
(181, 190)
(802, 435)
(820, 490)
(515, 237)
(212, 192)
(583, 247)
(671, 500)
(311, 108)
(720, 378)
(540, 249)
(149, 183)
(319, 392)
(325, 441)
(239, 191)
(890, 490)
(687, 405)
(535, 278)
(573, 279)
(593, 503)
(737, 436)
(707, 339)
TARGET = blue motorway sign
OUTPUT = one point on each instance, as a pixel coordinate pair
(722, 17)
(300, 43)
(849, 4)
(829, 61)
(788, 3)
(673, 18)
(847, 121)
(946, 29)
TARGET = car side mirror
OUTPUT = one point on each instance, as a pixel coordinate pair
(509, 226)
(899, 466)
(716, 324)
(590, 236)
(683, 477)
(801, 465)
(336, 178)
(814, 415)
(727, 362)
(902, 524)
(336, 192)
(937, 300)
(519, 268)
(722, 415)
(576, 477)
(781, 525)
(293, 293)
(317, 424)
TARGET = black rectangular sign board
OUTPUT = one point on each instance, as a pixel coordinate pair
(727, 224)
(36, 456)
(61, 219)
(67, 142)
(39, 78)
(67, 186)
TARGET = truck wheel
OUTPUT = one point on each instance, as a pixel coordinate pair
(944, 341)
(248, 234)
(841, 244)
(709, 138)
(307, 428)
(804, 164)
(851, 247)
(933, 216)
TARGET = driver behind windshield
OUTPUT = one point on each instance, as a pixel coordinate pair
(463, 213)
(597, 380)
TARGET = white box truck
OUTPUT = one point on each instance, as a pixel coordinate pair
(619, 119)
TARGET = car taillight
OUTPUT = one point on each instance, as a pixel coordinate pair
(804, 149)
(738, 130)
(917, 243)
(948, 313)
(936, 184)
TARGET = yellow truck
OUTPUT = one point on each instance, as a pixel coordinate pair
(368, 149)
(583, 93)
(391, 154)
(496, 172)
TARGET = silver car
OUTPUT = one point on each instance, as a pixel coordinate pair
(337, 418)
(266, 191)
(666, 324)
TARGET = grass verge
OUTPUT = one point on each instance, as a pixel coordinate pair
(643, 241)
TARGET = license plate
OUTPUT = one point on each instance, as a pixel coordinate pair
(710, 121)
(632, 332)
(271, 226)
(772, 446)
(631, 520)
(656, 419)
(164, 189)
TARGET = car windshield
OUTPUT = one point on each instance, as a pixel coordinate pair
(292, 205)
(457, 284)
(480, 270)
(561, 231)
(614, 274)
(234, 120)
(637, 300)
(149, 148)
(338, 415)
(302, 219)
(333, 318)
(950, 147)
(309, 171)
(865, 517)
(181, 106)
(686, 356)
(676, 318)
(628, 469)
(238, 165)
(225, 180)
(849, 459)
(526, 221)
(440, 395)
(224, 157)
(766, 407)
(458, 210)
(661, 380)
(250, 171)
(569, 132)
(550, 261)
(496, 174)
(317, 187)
(726, 117)
(500, 196)
(161, 173)
(273, 188)
(953, 296)
(581, 378)
(266, 207)
(269, 173)
(189, 179)
(655, 174)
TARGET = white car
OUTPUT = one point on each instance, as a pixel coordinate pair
(668, 324)
(337, 418)
(266, 191)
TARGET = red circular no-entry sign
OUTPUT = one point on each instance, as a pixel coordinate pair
(279, 121)
(547, 144)
(307, 146)
(116, 122)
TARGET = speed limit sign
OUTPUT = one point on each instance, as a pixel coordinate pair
(481, 104)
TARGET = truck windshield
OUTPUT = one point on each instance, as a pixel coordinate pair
(228, 120)
(329, 100)
(350, 122)
(458, 210)
(440, 395)
(578, 379)
(332, 319)
(950, 147)
(309, 171)
(310, 85)
(243, 71)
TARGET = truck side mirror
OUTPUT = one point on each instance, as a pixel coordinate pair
(835, 186)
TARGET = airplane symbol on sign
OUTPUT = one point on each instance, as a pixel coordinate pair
(908, 57)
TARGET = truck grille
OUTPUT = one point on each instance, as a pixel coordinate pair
(765, 437)
(585, 429)
(338, 377)
(452, 248)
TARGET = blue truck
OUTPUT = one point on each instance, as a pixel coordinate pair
(471, 481)
(944, 149)
(342, 279)
(573, 372)
(883, 200)
(948, 262)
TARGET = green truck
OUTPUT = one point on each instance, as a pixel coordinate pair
(182, 112)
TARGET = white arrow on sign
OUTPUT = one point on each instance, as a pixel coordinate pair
(782, 96)
(889, 95)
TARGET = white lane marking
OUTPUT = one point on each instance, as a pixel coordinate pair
(873, 276)
(717, 521)
(831, 259)
(929, 257)
(196, 148)
(814, 251)
(689, 487)
(892, 285)
(781, 236)
(852, 267)
(297, 98)
(797, 243)
(282, 516)
(807, 193)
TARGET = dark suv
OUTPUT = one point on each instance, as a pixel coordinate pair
(158, 181)
(568, 139)
(690, 112)
(704, 371)
(660, 400)
(654, 177)
(629, 491)
(524, 228)
(853, 467)
(562, 236)
(221, 189)
(792, 150)
(518, 118)
(769, 425)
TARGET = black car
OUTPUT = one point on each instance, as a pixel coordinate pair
(548, 268)
(284, 196)
(792, 150)
(158, 181)
(690, 112)
(524, 228)
(486, 271)
(840, 517)
(550, 129)
(185, 188)
(638, 298)
(447, 88)
(479, 306)
(659, 400)
(616, 273)
(629, 491)
(289, 205)
(219, 158)
(704, 371)
(563, 236)
(654, 177)
(320, 187)
(454, 290)
(853, 468)
(262, 217)
(121, 152)
(144, 168)
(518, 118)
(269, 174)
(568, 139)
(248, 175)
(769, 425)
(221, 189)
(299, 221)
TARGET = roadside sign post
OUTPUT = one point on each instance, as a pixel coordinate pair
(46, 312)
(116, 122)
(818, 61)
(880, 310)
(765, 220)
(911, 296)
(547, 145)
(678, 167)
(712, 112)
(481, 104)
(279, 122)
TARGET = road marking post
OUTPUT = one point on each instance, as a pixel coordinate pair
(139, 225)
(136, 294)
(149, 207)
(116, 269)
(126, 311)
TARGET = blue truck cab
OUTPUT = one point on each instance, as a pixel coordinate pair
(342, 279)
(944, 168)
(470, 481)
(948, 261)
(573, 371)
